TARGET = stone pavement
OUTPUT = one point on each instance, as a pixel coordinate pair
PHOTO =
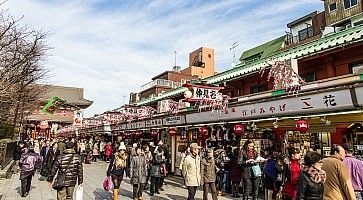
(94, 175)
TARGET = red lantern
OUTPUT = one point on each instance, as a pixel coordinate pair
(302, 125)
(238, 129)
(127, 134)
(172, 131)
(203, 131)
(154, 133)
(138, 133)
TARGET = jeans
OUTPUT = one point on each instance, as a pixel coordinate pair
(137, 190)
(251, 185)
(191, 192)
(25, 184)
(154, 185)
(223, 181)
(65, 193)
(213, 189)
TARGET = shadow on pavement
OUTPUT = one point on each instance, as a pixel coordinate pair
(178, 197)
(101, 194)
(19, 190)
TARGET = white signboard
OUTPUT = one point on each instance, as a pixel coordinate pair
(322, 102)
(78, 118)
(154, 122)
(174, 120)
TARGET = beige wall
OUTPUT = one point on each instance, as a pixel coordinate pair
(341, 13)
(207, 59)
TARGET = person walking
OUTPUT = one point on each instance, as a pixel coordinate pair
(116, 168)
(191, 170)
(61, 146)
(95, 153)
(208, 170)
(355, 169)
(108, 151)
(48, 162)
(310, 183)
(155, 172)
(69, 165)
(148, 157)
(17, 154)
(138, 172)
(292, 172)
(236, 172)
(251, 180)
(338, 184)
(28, 163)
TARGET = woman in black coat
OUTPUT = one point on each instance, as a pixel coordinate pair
(310, 185)
(155, 171)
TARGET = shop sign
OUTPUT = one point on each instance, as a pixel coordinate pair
(44, 125)
(154, 122)
(78, 118)
(322, 102)
(200, 92)
(359, 93)
(174, 120)
(136, 125)
(359, 147)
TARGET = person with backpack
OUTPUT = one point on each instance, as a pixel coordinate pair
(28, 163)
(273, 175)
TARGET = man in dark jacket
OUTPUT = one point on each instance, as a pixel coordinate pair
(69, 164)
(155, 172)
(208, 170)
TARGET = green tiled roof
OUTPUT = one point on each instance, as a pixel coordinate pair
(326, 43)
(265, 50)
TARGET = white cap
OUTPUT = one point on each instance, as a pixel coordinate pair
(122, 146)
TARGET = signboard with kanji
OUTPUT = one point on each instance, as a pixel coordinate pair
(77, 118)
(53, 104)
(201, 92)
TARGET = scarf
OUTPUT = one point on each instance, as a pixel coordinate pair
(250, 154)
(315, 175)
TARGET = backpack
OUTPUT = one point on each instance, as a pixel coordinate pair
(270, 169)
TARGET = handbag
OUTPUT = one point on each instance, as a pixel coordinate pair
(79, 193)
(60, 179)
(107, 184)
(256, 170)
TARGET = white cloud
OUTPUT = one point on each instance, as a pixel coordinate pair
(111, 48)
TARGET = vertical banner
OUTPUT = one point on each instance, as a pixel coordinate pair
(77, 118)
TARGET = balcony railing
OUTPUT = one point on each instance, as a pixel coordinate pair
(161, 82)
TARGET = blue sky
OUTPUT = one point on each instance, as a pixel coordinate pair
(112, 47)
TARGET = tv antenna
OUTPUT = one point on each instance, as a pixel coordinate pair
(234, 45)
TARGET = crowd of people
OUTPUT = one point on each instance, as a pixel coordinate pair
(232, 170)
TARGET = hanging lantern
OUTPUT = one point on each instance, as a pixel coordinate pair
(203, 131)
(302, 125)
(238, 129)
(138, 134)
(154, 133)
(172, 131)
(127, 134)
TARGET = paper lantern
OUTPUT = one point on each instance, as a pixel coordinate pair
(138, 134)
(188, 94)
(154, 133)
(238, 129)
(203, 131)
(172, 131)
(302, 125)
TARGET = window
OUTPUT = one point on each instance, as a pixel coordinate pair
(306, 33)
(356, 68)
(333, 7)
(308, 77)
(350, 3)
(258, 88)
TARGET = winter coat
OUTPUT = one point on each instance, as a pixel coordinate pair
(291, 177)
(235, 170)
(108, 151)
(44, 151)
(113, 170)
(48, 162)
(73, 170)
(338, 184)
(208, 170)
(246, 167)
(28, 163)
(138, 169)
(156, 164)
(191, 170)
(308, 189)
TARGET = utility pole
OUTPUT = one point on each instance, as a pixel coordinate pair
(234, 45)
(175, 57)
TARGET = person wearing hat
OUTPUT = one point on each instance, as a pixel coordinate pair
(208, 170)
(355, 169)
(191, 170)
(155, 172)
(28, 163)
(116, 168)
(68, 163)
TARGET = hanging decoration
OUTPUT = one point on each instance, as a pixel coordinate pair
(283, 75)
(53, 104)
(172, 132)
(238, 129)
(302, 125)
(203, 131)
(154, 133)
(138, 134)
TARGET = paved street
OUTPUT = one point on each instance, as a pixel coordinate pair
(93, 178)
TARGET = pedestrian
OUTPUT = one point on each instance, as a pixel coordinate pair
(61, 146)
(208, 170)
(338, 184)
(222, 174)
(116, 168)
(183, 156)
(68, 165)
(155, 171)
(148, 157)
(138, 172)
(48, 162)
(355, 169)
(310, 185)
(44, 150)
(108, 151)
(251, 179)
(28, 163)
(292, 171)
(191, 170)
(236, 172)
(17, 154)
(95, 153)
